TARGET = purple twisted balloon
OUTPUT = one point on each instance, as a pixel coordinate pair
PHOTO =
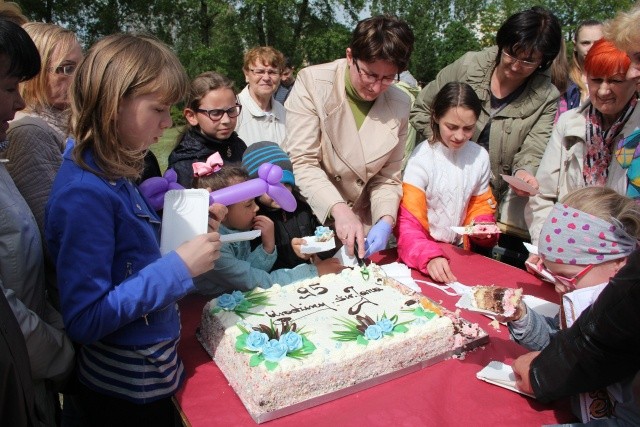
(268, 181)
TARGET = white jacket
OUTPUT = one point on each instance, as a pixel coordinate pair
(560, 170)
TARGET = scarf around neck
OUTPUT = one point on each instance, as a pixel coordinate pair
(599, 144)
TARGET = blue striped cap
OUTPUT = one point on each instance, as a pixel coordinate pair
(268, 152)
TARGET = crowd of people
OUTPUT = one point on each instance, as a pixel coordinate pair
(89, 302)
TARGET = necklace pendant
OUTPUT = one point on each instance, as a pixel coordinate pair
(229, 152)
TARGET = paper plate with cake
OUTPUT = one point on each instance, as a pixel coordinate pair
(491, 300)
(322, 240)
(478, 228)
(288, 348)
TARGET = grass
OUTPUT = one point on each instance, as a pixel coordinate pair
(164, 146)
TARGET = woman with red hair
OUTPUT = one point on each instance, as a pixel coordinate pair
(587, 146)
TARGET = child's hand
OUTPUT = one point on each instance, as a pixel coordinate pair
(327, 266)
(296, 245)
(267, 232)
(217, 212)
(439, 270)
(521, 310)
(535, 260)
(199, 254)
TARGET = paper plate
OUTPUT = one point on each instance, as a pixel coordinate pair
(185, 215)
(533, 250)
(500, 374)
(314, 247)
(239, 237)
(520, 184)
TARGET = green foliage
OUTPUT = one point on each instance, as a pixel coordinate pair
(214, 34)
(164, 146)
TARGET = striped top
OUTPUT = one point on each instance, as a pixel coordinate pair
(139, 374)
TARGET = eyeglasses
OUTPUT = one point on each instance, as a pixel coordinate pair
(511, 60)
(261, 72)
(570, 282)
(372, 78)
(217, 113)
(67, 70)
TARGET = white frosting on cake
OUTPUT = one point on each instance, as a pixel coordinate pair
(318, 307)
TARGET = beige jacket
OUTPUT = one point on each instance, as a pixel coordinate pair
(332, 160)
(560, 169)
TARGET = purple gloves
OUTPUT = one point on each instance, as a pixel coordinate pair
(377, 237)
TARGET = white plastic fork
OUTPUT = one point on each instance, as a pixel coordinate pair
(452, 289)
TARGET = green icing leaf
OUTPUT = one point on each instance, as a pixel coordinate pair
(270, 365)
(362, 340)
(307, 345)
(400, 328)
(424, 313)
(255, 360)
(241, 341)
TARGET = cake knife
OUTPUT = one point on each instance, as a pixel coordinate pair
(363, 266)
(360, 261)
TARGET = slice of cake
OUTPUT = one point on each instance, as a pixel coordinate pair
(323, 234)
(482, 228)
(503, 301)
(287, 348)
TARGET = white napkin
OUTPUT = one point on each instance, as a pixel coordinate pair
(346, 260)
(401, 273)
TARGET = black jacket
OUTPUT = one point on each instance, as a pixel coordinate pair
(288, 225)
(193, 146)
(601, 348)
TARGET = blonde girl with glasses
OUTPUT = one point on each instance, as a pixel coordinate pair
(262, 117)
(584, 242)
(212, 111)
(37, 135)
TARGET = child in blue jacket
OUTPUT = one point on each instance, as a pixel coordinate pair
(118, 294)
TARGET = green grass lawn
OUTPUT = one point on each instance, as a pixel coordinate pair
(163, 148)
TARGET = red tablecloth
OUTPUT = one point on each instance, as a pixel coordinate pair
(445, 394)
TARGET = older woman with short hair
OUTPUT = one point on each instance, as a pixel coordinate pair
(262, 117)
(585, 142)
(346, 132)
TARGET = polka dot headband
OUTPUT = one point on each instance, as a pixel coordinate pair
(570, 236)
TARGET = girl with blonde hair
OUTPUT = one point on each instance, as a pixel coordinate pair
(118, 294)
